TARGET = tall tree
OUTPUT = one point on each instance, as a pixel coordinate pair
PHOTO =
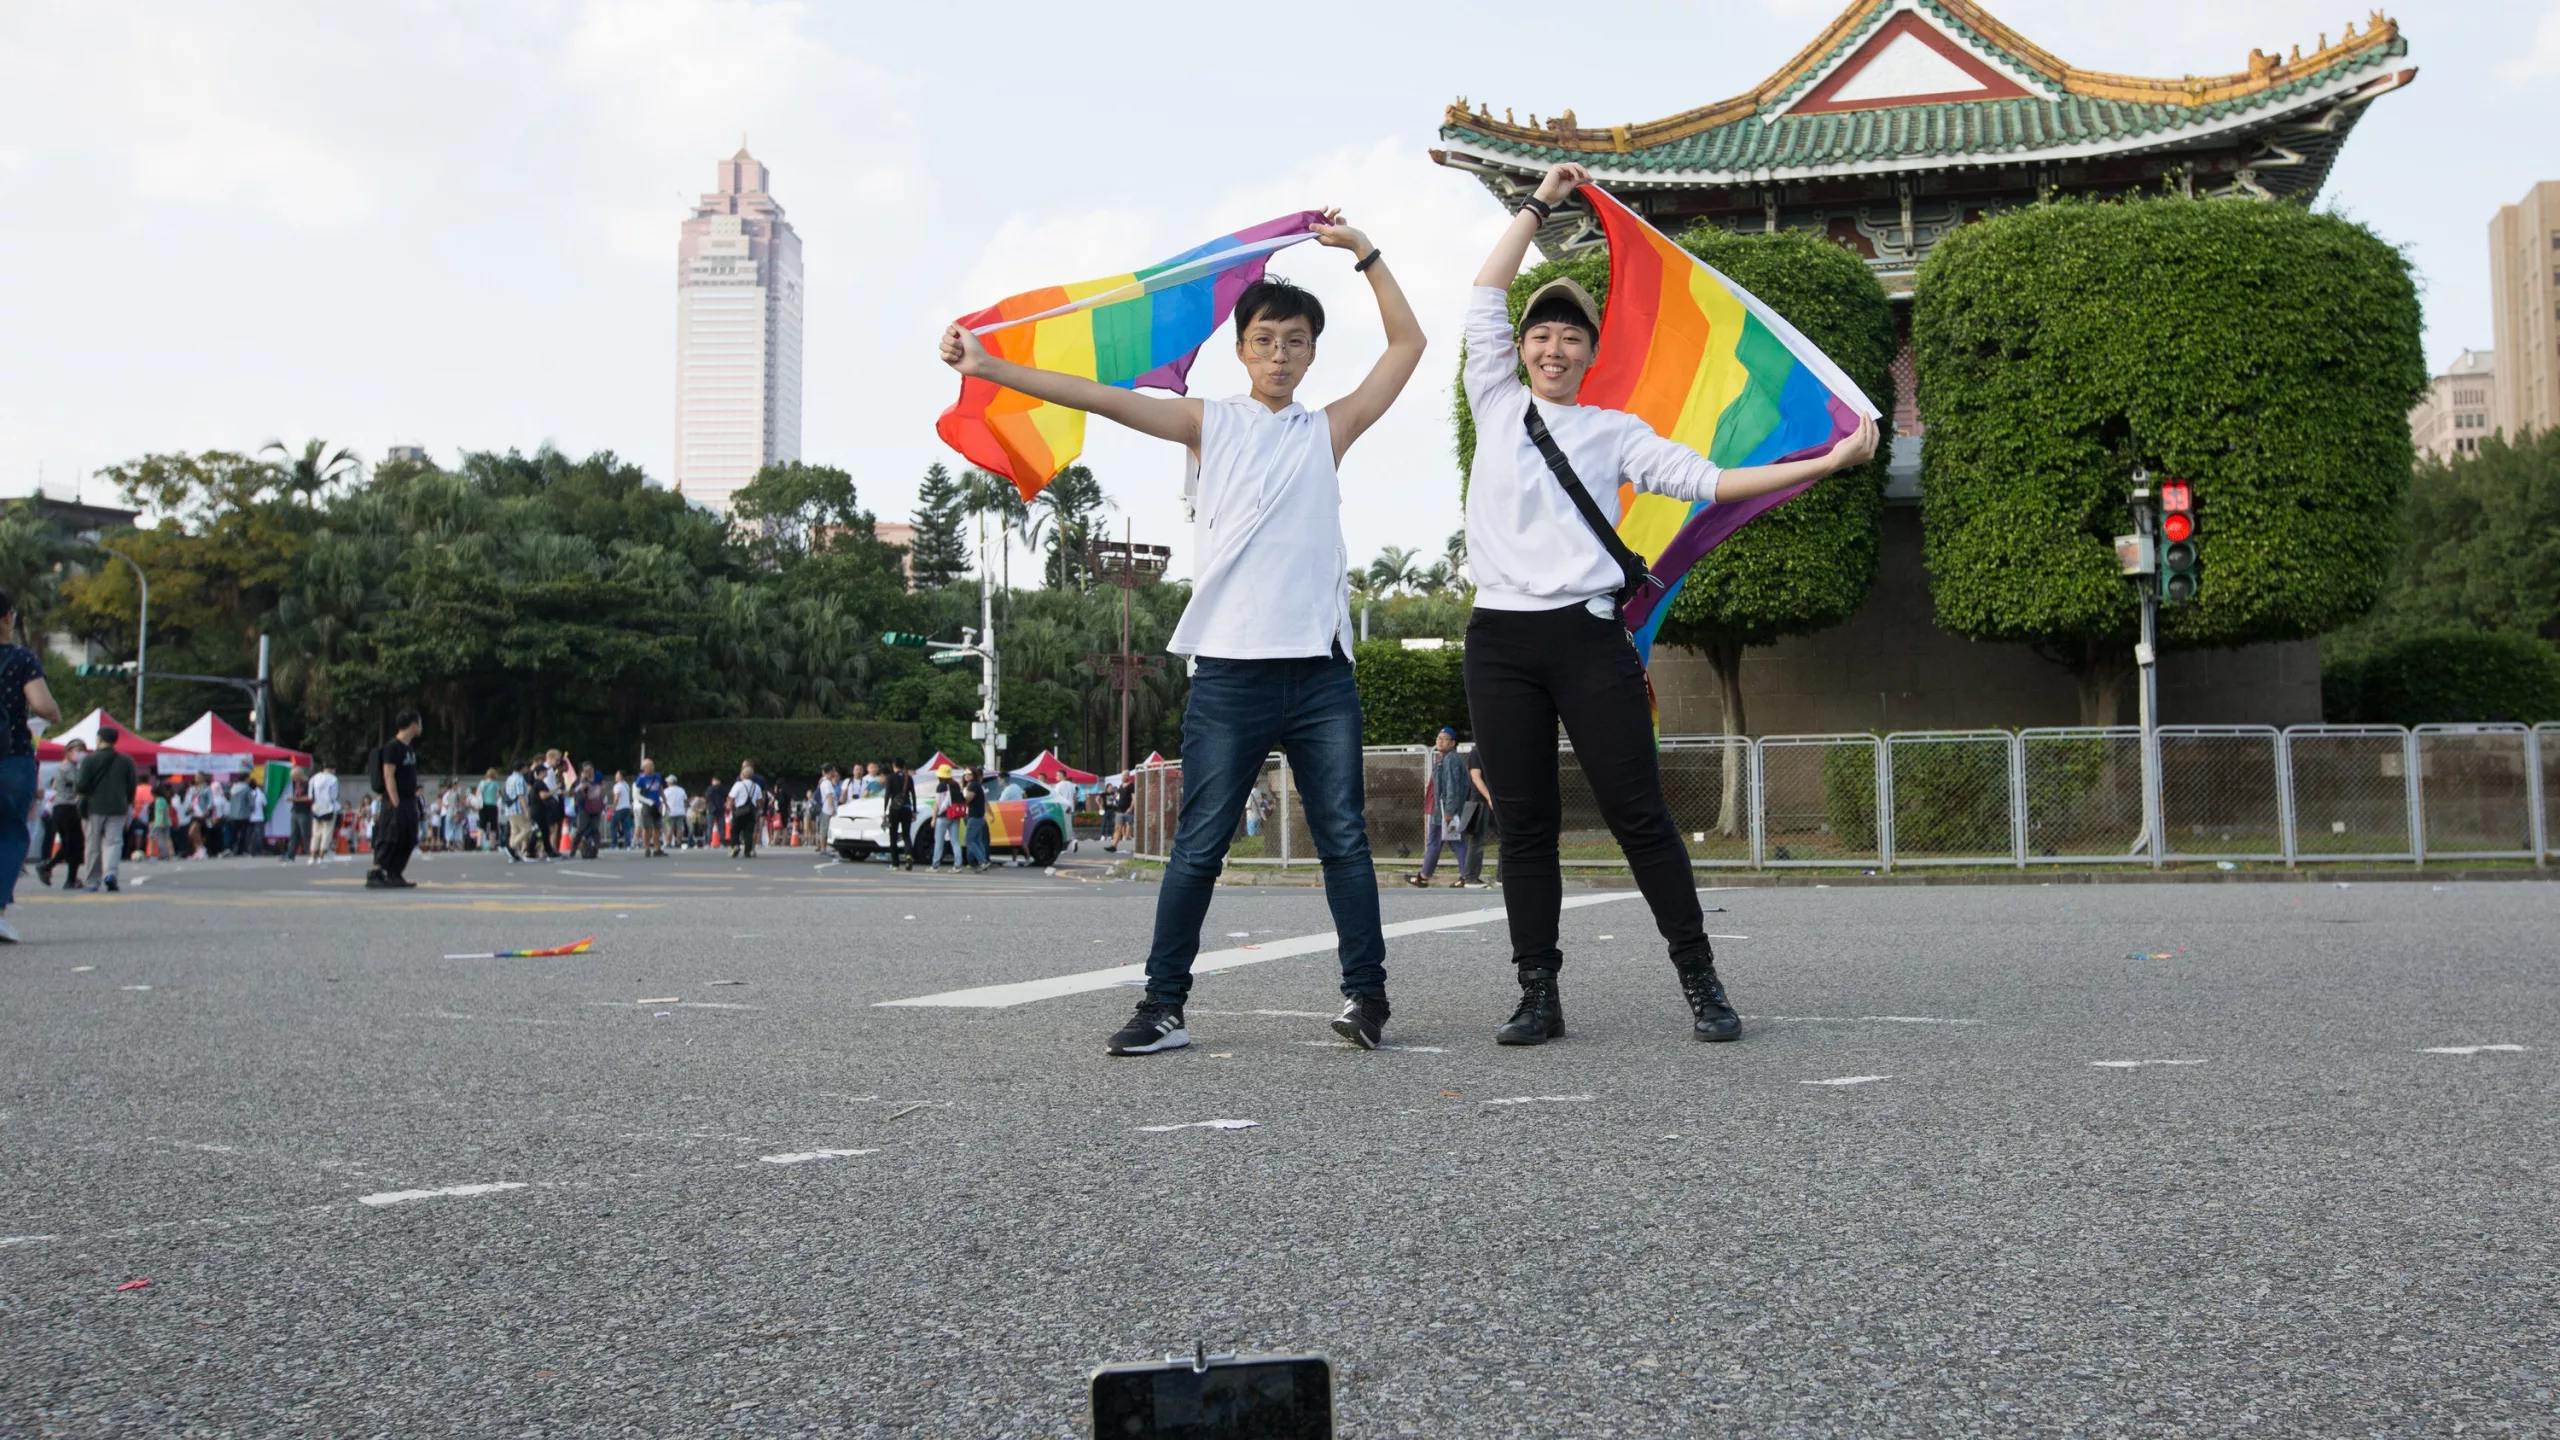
(2264, 352)
(309, 474)
(1393, 570)
(1069, 509)
(939, 554)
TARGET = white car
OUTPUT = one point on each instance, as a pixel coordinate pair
(1037, 828)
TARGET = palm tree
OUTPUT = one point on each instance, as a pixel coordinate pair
(316, 468)
(1455, 555)
(1393, 570)
(1437, 579)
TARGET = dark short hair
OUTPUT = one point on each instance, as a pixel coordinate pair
(107, 733)
(407, 718)
(1274, 299)
(1558, 310)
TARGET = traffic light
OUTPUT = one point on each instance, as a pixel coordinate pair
(124, 668)
(2178, 578)
(902, 639)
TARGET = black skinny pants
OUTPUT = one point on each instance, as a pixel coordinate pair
(1525, 670)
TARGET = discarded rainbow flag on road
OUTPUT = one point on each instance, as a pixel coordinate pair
(1138, 329)
(578, 947)
(1704, 363)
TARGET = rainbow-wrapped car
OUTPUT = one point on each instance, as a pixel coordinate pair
(1037, 828)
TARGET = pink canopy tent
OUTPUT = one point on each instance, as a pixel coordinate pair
(937, 762)
(211, 736)
(1050, 770)
(127, 742)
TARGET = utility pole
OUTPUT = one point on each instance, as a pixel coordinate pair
(142, 631)
(2137, 555)
(987, 676)
(266, 687)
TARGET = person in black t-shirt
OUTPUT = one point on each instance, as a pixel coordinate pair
(394, 769)
(898, 808)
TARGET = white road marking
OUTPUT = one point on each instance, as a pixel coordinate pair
(1211, 962)
(133, 987)
(1200, 1125)
(1540, 1099)
(2136, 1064)
(802, 1157)
(396, 1197)
(1848, 1080)
(1865, 1019)
(2432, 1050)
(22, 1239)
(1347, 1045)
(587, 874)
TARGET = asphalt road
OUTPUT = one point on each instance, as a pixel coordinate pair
(743, 1197)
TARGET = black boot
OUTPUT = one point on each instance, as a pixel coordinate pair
(1715, 1017)
(1540, 1017)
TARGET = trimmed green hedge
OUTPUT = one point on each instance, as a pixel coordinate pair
(2265, 352)
(1407, 695)
(782, 749)
(2443, 678)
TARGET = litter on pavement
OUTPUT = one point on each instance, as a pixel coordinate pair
(134, 1285)
(575, 947)
(1201, 1125)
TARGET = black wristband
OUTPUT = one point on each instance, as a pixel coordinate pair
(1368, 260)
(1545, 211)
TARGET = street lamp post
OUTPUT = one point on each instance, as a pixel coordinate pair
(142, 631)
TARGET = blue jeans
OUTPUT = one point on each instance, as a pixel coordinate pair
(1439, 831)
(975, 853)
(1239, 712)
(17, 796)
(946, 835)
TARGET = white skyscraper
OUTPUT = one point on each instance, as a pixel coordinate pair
(737, 337)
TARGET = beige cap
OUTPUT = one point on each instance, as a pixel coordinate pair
(1572, 291)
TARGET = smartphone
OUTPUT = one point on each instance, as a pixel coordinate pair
(1248, 1397)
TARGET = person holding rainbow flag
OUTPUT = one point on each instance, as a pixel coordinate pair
(1268, 629)
(1557, 587)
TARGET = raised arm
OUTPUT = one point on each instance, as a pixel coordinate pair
(1353, 414)
(1175, 418)
(1503, 265)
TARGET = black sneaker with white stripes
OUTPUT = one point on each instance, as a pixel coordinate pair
(1363, 1019)
(1154, 1026)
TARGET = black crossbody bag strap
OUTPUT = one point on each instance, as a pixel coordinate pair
(1631, 565)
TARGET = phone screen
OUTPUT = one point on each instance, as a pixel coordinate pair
(1275, 1398)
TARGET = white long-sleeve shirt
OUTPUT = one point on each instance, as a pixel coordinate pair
(1527, 546)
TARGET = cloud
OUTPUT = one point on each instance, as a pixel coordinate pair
(186, 111)
(2540, 63)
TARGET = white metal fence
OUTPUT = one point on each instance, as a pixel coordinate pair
(2311, 794)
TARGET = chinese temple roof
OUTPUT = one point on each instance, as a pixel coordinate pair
(1897, 86)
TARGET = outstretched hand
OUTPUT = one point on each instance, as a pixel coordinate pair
(1330, 231)
(1858, 448)
(962, 352)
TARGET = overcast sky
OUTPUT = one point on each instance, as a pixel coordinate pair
(454, 224)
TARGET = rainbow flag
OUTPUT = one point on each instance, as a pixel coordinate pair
(1704, 363)
(1138, 329)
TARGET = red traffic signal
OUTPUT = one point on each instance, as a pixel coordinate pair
(2177, 525)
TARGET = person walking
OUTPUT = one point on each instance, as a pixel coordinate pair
(491, 793)
(973, 794)
(62, 819)
(324, 814)
(1257, 804)
(623, 822)
(949, 810)
(1547, 642)
(394, 767)
(745, 797)
(1448, 802)
(297, 788)
(648, 809)
(161, 806)
(23, 693)
(105, 788)
(1478, 825)
(898, 814)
